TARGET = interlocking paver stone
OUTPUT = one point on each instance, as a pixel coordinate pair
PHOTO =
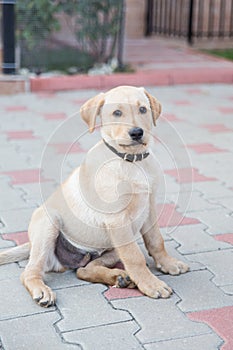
(197, 291)
(192, 202)
(159, 325)
(220, 263)
(219, 319)
(224, 202)
(62, 280)
(195, 239)
(206, 341)
(89, 301)
(213, 189)
(19, 303)
(5, 244)
(12, 198)
(15, 220)
(114, 336)
(218, 221)
(10, 271)
(33, 332)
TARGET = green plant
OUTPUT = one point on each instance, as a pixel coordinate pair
(57, 59)
(35, 20)
(96, 25)
(225, 53)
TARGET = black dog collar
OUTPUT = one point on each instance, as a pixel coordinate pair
(128, 156)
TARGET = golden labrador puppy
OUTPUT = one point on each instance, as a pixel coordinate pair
(94, 219)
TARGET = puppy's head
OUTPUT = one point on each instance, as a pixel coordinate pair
(127, 114)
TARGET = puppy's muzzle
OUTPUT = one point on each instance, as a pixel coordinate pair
(136, 134)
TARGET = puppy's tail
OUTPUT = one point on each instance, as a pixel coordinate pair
(15, 254)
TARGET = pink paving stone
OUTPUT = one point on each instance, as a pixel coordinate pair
(122, 293)
(205, 148)
(220, 320)
(18, 237)
(171, 117)
(79, 101)
(25, 176)
(55, 116)
(182, 102)
(20, 135)
(226, 237)
(226, 110)
(186, 175)
(168, 216)
(16, 108)
(46, 94)
(216, 128)
(67, 148)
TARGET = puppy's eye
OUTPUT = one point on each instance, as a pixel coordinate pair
(117, 113)
(142, 110)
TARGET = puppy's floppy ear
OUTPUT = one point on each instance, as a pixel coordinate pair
(155, 106)
(91, 109)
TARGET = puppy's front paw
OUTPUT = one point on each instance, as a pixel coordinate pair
(172, 266)
(155, 288)
(44, 296)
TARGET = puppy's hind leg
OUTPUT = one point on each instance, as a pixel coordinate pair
(43, 232)
(100, 271)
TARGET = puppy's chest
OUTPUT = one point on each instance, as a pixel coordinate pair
(117, 180)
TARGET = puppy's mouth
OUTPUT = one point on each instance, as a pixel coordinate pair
(133, 143)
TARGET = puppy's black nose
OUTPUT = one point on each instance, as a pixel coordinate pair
(136, 133)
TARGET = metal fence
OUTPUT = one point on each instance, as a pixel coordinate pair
(191, 19)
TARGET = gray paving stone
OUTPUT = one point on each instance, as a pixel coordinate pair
(194, 239)
(220, 263)
(5, 243)
(63, 280)
(226, 141)
(19, 302)
(206, 341)
(34, 194)
(224, 202)
(11, 198)
(192, 203)
(11, 159)
(197, 291)
(218, 165)
(85, 306)
(228, 289)
(33, 332)
(155, 320)
(114, 336)
(15, 220)
(32, 152)
(9, 271)
(218, 221)
(212, 189)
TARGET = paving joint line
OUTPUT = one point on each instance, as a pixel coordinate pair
(1, 345)
(29, 315)
(182, 338)
(60, 334)
(130, 314)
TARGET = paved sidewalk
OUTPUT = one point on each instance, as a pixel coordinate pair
(156, 61)
(194, 149)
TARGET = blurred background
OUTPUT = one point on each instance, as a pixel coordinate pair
(74, 36)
